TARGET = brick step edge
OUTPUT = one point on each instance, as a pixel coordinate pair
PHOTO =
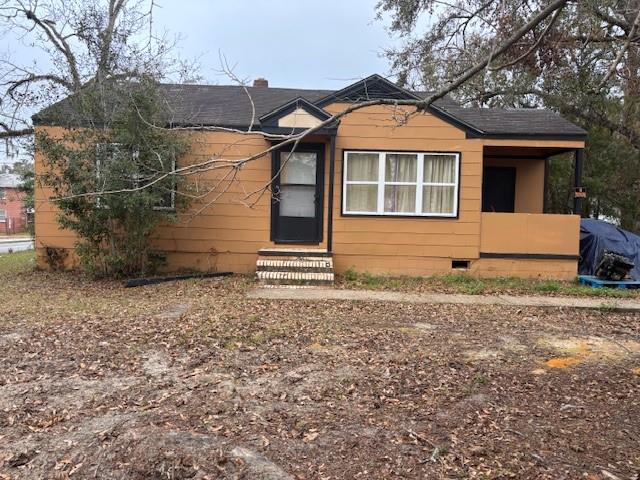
(320, 276)
(295, 269)
(295, 278)
(286, 258)
(295, 283)
(323, 266)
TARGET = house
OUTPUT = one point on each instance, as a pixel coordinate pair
(12, 213)
(382, 190)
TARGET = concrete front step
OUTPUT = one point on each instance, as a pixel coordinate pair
(308, 264)
(295, 278)
(295, 267)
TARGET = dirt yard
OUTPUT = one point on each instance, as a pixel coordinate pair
(191, 380)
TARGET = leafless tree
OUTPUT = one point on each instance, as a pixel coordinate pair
(79, 43)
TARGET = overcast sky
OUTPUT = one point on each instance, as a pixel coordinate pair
(325, 44)
(292, 43)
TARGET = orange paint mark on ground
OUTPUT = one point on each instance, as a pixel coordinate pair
(562, 362)
(636, 371)
(580, 351)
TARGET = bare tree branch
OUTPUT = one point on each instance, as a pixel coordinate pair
(621, 53)
(294, 140)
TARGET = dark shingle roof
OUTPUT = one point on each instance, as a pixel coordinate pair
(230, 106)
(515, 122)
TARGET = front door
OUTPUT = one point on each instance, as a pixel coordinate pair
(499, 189)
(297, 205)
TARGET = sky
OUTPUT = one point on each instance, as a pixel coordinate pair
(323, 44)
(291, 43)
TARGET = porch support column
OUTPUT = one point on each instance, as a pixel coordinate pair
(332, 168)
(579, 193)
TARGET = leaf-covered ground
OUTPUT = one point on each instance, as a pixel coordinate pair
(193, 380)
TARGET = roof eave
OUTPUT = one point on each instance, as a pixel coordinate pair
(536, 136)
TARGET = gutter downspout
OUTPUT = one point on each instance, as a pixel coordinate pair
(332, 168)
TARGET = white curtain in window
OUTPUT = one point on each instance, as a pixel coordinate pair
(362, 167)
(401, 168)
(437, 199)
(362, 198)
(439, 169)
(400, 198)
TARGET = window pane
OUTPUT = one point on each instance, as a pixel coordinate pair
(362, 198)
(297, 201)
(166, 199)
(439, 169)
(400, 198)
(3, 215)
(438, 199)
(362, 167)
(299, 167)
(401, 168)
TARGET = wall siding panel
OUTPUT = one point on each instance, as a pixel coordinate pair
(227, 235)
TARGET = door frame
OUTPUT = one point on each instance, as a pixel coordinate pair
(319, 149)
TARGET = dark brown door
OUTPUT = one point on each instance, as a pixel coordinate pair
(297, 206)
(499, 189)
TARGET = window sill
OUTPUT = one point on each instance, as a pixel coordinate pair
(408, 215)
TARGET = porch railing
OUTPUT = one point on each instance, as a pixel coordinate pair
(530, 235)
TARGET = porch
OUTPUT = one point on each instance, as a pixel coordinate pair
(518, 235)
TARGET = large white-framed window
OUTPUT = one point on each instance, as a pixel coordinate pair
(391, 183)
(3, 216)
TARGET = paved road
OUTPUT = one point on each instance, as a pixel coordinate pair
(17, 245)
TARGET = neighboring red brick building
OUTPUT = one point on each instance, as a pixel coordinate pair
(12, 214)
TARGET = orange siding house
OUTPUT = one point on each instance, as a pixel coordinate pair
(386, 190)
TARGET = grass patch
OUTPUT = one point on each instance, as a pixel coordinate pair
(471, 285)
(12, 263)
(463, 283)
(548, 286)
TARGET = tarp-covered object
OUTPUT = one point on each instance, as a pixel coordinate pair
(597, 236)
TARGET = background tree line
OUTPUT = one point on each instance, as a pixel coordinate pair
(582, 62)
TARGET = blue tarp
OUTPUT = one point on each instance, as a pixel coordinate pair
(597, 236)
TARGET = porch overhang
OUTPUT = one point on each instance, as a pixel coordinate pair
(499, 150)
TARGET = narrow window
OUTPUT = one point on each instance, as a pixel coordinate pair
(361, 183)
(439, 184)
(400, 182)
(3, 216)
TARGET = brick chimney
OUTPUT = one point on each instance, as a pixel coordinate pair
(261, 83)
